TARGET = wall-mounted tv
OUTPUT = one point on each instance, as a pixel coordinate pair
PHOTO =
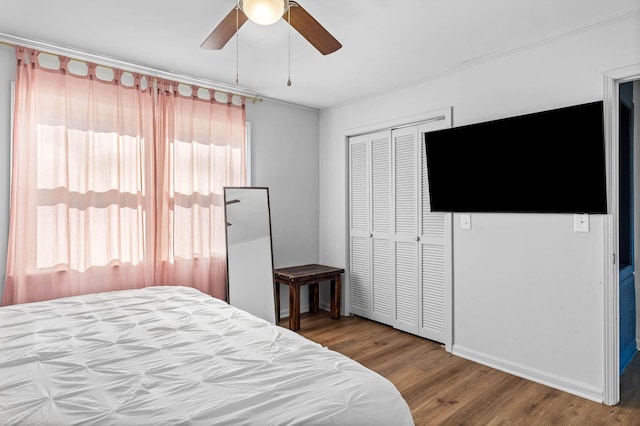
(545, 162)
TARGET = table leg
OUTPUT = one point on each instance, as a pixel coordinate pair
(294, 307)
(336, 293)
(277, 300)
(314, 298)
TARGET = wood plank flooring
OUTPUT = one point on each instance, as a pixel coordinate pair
(442, 389)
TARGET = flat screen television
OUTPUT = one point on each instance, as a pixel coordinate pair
(545, 162)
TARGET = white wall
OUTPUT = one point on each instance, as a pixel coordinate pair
(7, 75)
(284, 156)
(528, 294)
(285, 159)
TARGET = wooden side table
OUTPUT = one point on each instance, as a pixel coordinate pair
(311, 275)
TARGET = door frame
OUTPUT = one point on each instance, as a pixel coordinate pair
(611, 328)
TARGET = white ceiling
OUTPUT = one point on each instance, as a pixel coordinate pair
(386, 44)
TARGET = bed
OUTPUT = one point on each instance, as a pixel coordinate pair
(175, 356)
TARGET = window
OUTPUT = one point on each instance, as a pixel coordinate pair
(118, 182)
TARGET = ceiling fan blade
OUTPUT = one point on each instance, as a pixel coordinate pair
(225, 30)
(311, 29)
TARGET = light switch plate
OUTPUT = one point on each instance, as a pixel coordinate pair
(465, 221)
(581, 223)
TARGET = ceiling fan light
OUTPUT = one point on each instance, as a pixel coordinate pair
(263, 12)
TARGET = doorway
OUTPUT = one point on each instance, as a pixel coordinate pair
(611, 279)
(626, 264)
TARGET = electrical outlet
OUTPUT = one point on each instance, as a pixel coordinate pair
(465, 221)
(580, 223)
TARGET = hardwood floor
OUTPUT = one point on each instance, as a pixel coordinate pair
(444, 389)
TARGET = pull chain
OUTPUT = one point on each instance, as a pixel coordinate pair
(237, 42)
(289, 13)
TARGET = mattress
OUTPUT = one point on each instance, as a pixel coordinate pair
(175, 356)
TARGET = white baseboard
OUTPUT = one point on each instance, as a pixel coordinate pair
(284, 311)
(562, 383)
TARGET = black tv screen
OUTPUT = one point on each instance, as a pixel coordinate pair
(546, 162)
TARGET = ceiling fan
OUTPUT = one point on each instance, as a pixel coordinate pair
(266, 12)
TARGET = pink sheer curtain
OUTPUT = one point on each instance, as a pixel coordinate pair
(94, 205)
(205, 141)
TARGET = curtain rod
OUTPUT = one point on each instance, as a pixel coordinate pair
(11, 41)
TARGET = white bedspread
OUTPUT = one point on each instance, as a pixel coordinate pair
(174, 356)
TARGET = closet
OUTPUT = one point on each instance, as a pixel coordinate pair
(400, 252)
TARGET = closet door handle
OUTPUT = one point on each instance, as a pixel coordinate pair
(417, 238)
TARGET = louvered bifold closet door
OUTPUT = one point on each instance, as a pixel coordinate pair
(381, 248)
(400, 252)
(359, 235)
(435, 257)
(405, 186)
